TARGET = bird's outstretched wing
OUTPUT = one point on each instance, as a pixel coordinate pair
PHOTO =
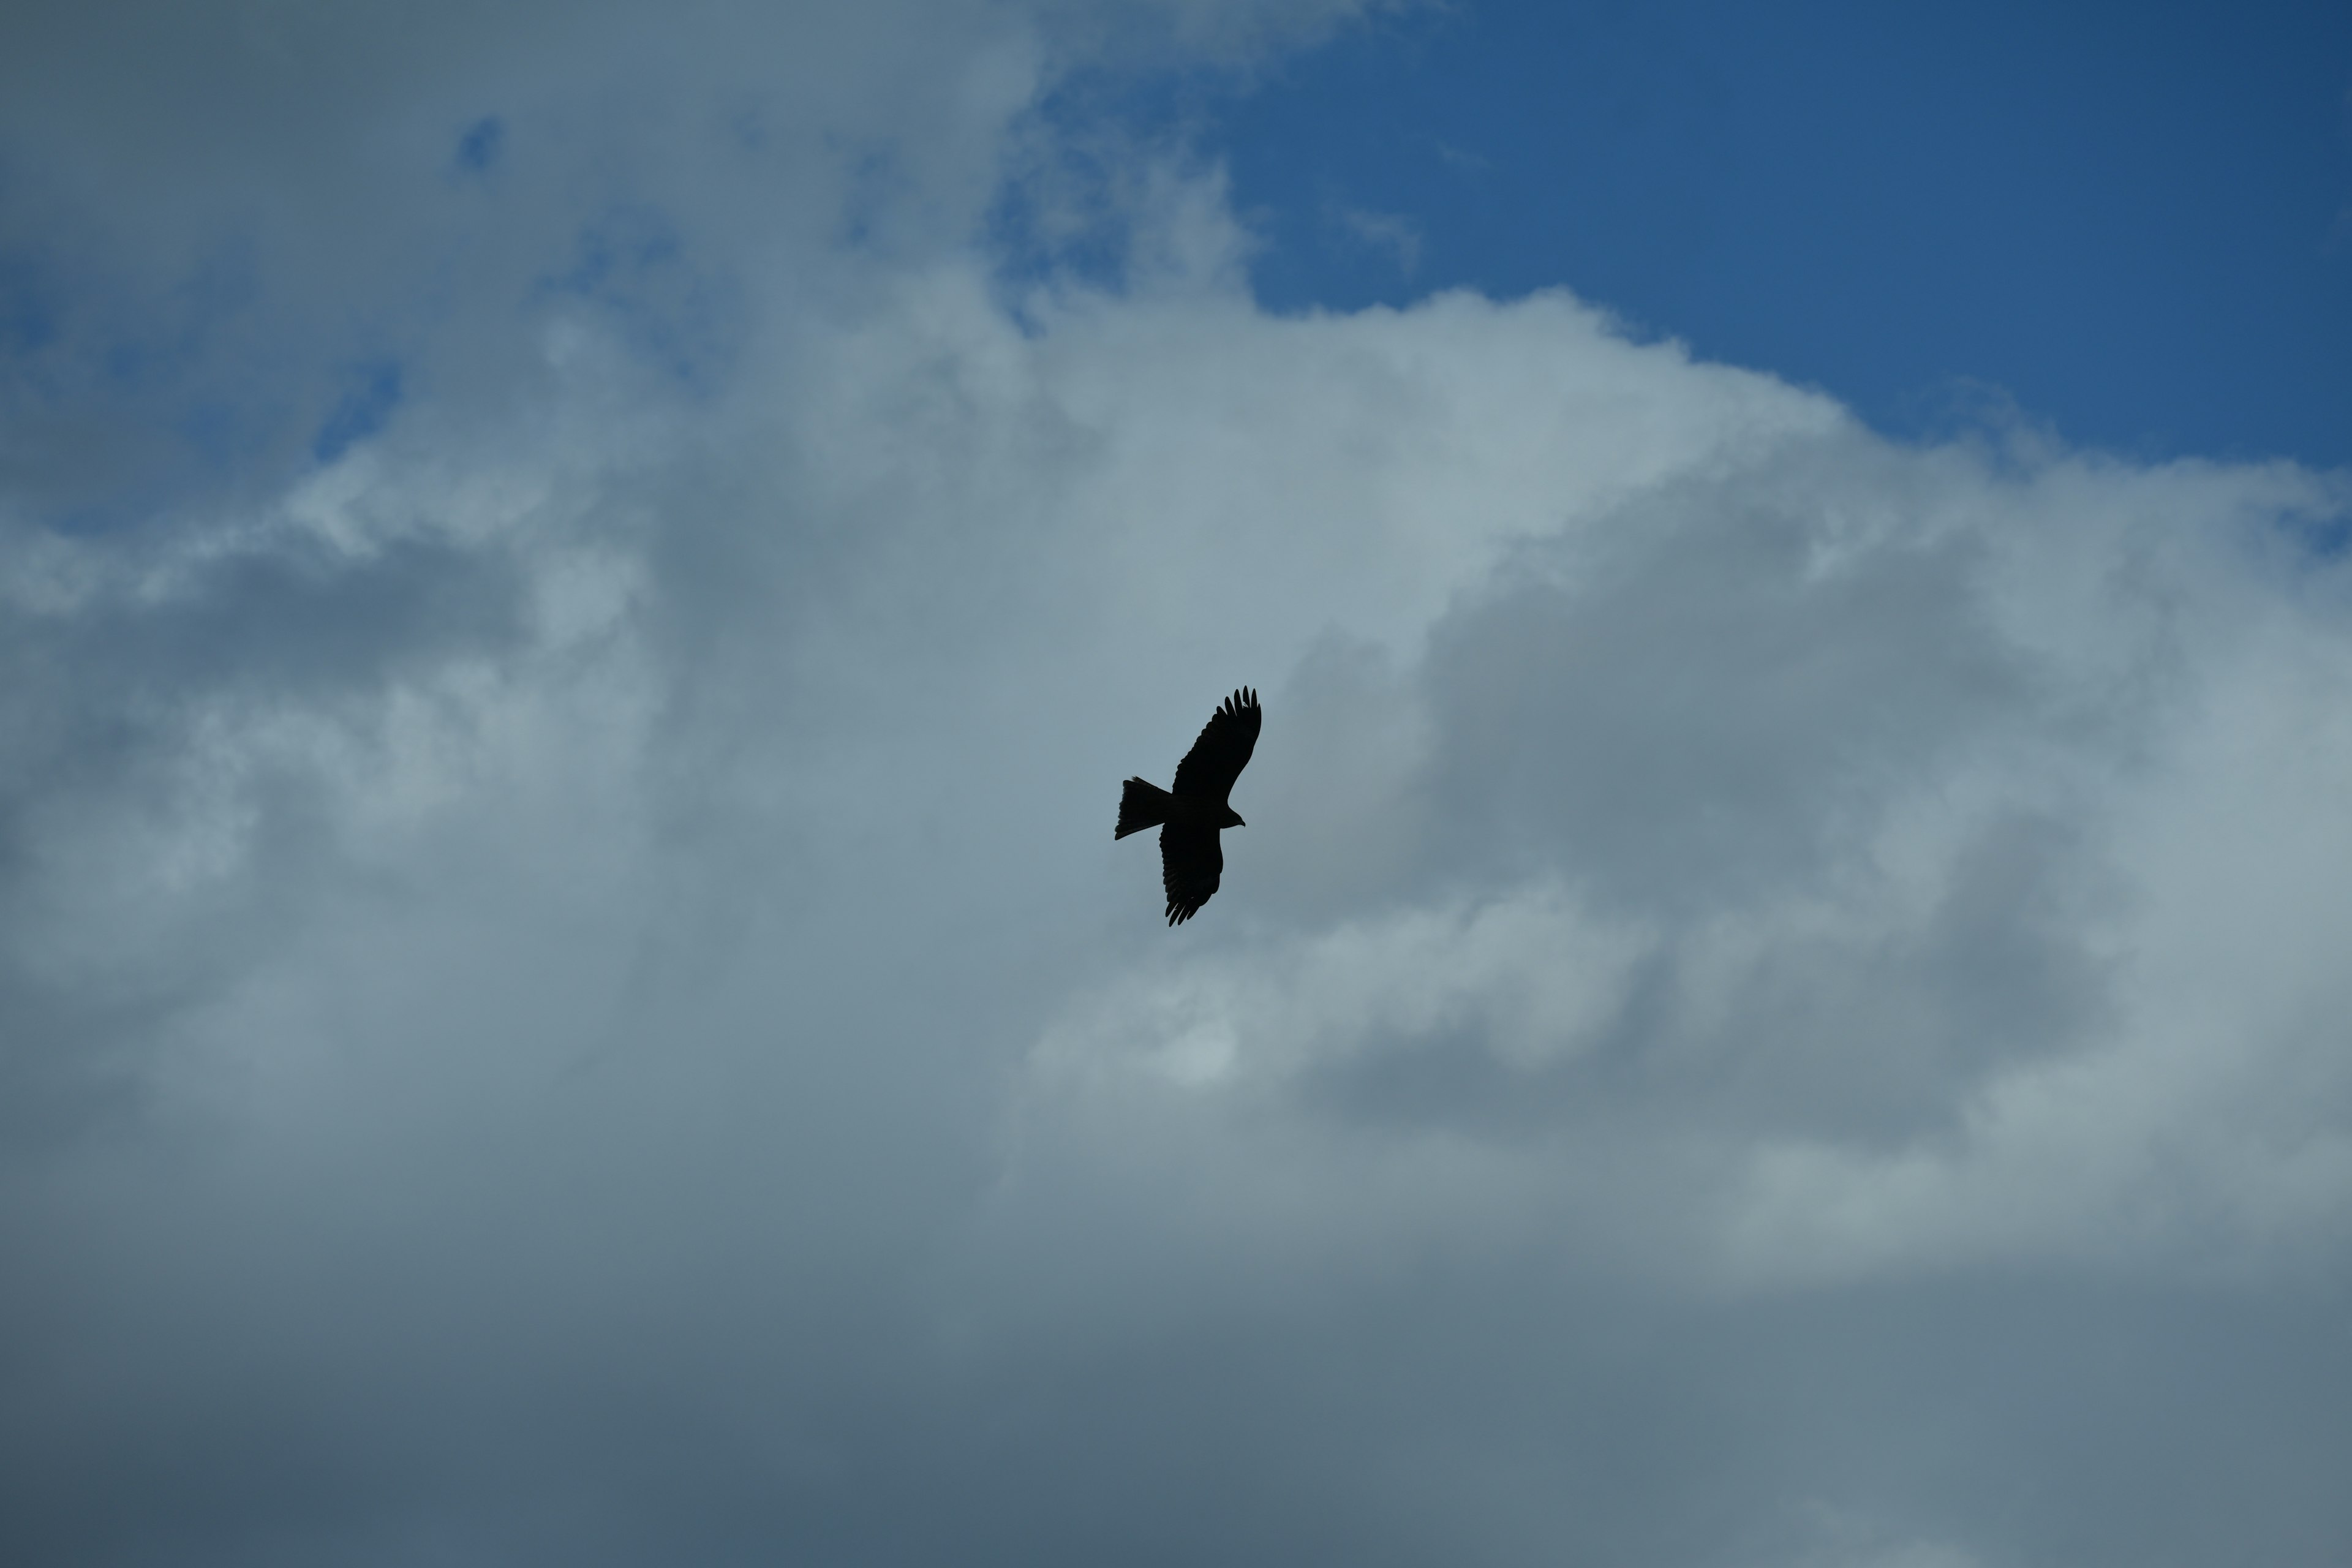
(1224, 749)
(1190, 865)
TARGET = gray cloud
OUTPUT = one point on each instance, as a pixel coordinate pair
(567, 994)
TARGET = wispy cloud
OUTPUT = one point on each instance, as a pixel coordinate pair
(1398, 236)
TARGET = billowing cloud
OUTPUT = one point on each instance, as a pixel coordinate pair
(568, 992)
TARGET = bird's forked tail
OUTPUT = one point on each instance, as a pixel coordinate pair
(1140, 806)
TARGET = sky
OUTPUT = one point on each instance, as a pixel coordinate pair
(2128, 219)
(576, 585)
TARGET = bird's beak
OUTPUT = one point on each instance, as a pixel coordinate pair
(1238, 820)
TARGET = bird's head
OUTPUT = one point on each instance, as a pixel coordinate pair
(1233, 819)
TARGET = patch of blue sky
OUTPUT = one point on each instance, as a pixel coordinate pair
(632, 266)
(1055, 225)
(363, 411)
(479, 146)
(2135, 220)
(618, 252)
(28, 308)
(120, 401)
(1064, 215)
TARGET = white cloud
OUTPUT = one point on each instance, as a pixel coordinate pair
(2010, 896)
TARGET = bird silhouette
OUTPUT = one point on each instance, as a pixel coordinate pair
(1190, 815)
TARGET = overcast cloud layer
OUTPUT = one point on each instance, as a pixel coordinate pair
(575, 588)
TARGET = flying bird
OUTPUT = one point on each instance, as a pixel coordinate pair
(1189, 816)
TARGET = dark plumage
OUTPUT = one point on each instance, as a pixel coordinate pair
(1189, 816)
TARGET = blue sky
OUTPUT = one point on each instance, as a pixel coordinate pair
(2135, 220)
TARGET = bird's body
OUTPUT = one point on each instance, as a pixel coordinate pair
(1143, 805)
(1190, 815)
